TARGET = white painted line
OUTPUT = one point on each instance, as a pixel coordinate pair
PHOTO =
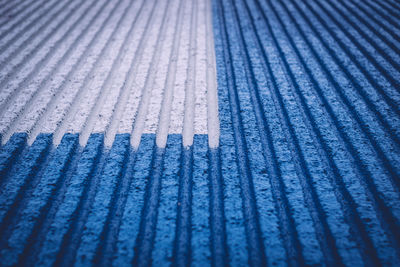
(188, 121)
(165, 114)
(152, 72)
(113, 67)
(212, 95)
(83, 102)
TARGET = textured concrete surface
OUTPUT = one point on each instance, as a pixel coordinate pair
(109, 67)
(203, 133)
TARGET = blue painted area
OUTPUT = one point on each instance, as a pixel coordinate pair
(60, 239)
(307, 172)
(148, 221)
(219, 249)
(200, 217)
(99, 214)
(129, 229)
(318, 117)
(236, 236)
(32, 216)
(182, 245)
(10, 152)
(166, 221)
(20, 182)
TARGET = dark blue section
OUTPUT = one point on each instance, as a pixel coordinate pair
(200, 218)
(60, 238)
(10, 152)
(219, 250)
(125, 247)
(182, 246)
(102, 206)
(308, 100)
(167, 212)
(147, 230)
(16, 193)
(45, 199)
(256, 247)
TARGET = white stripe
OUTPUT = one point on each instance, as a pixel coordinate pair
(188, 122)
(134, 75)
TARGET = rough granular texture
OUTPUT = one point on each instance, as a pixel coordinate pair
(115, 151)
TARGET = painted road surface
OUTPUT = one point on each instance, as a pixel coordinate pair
(203, 133)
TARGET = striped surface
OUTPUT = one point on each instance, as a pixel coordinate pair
(114, 153)
(109, 67)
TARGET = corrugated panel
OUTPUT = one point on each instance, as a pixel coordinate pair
(309, 97)
(304, 169)
(109, 67)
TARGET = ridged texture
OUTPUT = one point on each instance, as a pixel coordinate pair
(306, 171)
(119, 66)
(309, 98)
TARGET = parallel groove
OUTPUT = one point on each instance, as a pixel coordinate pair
(236, 232)
(375, 195)
(357, 117)
(49, 111)
(20, 189)
(224, 132)
(37, 238)
(392, 100)
(67, 219)
(382, 14)
(45, 82)
(99, 212)
(16, 35)
(70, 241)
(149, 83)
(166, 106)
(217, 215)
(289, 233)
(41, 205)
(390, 10)
(393, 6)
(72, 110)
(388, 55)
(182, 245)
(23, 33)
(385, 72)
(389, 32)
(256, 248)
(323, 232)
(20, 20)
(164, 237)
(7, 6)
(182, 252)
(147, 229)
(295, 86)
(200, 234)
(10, 5)
(188, 119)
(385, 161)
(123, 96)
(10, 152)
(129, 229)
(145, 238)
(45, 85)
(107, 86)
(32, 162)
(218, 239)
(107, 248)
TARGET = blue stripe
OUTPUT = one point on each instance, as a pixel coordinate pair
(10, 152)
